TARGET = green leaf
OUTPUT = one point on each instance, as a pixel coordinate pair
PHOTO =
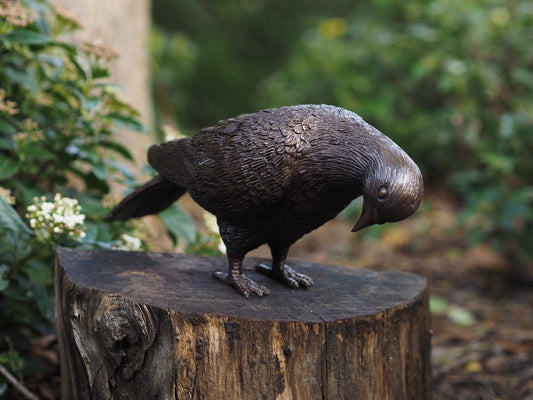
(40, 274)
(437, 305)
(461, 316)
(126, 172)
(10, 220)
(7, 127)
(65, 24)
(26, 77)
(93, 182)
(108, 86)
(99, 169)
(99, 72)
(118, 148)
(43, 296)
(8, 167)
(89, 103)
(4, 283)
(35, 152)
(6, 144)
(178, 223)
(26, 36)
(12, 360)
(127, 122)
(92, 206)
(78, 66)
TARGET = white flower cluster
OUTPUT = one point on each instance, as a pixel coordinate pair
(56, 221)
(128, 242)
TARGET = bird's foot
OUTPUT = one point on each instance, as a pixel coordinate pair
(286, 275)
(242, 283)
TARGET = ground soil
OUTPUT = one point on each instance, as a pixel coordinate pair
(482, 343)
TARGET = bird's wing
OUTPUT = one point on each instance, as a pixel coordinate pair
(251, 164)
(240, 167)
(173, 160)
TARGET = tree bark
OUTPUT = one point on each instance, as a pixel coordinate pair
(157, 326)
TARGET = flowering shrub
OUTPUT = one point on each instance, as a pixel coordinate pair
(57, 159)
(60, 221)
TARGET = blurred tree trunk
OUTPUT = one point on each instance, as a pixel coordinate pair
(123, 25)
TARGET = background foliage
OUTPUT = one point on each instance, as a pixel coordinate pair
(217, 52)
(450, 80)
(56, 121)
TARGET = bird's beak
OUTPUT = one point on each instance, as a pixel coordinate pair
(367, 218)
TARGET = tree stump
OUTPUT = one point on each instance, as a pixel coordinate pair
(135, 325)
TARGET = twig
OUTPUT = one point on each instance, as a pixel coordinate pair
(20, 387)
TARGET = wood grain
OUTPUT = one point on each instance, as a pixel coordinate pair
(158, 326)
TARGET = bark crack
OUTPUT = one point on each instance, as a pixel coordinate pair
(199, 355)
(326, 366)
(156, 323)
(194, 380)
(324, 369)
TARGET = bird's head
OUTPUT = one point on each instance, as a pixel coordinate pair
(392, 191)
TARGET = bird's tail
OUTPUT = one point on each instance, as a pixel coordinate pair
(152, 197)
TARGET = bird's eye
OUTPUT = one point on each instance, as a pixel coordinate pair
(382, 194)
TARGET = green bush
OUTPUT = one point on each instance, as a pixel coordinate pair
(219, 50)
(451, 81)
(172, 58)
(57, 114)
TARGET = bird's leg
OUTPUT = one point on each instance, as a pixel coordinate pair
(238, 280)
(281, 271)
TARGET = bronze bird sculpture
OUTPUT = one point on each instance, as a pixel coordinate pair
(275, 175)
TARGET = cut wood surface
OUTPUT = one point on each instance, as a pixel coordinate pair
(138, 325)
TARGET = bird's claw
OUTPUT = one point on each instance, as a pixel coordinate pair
(243, 284)
(287, 275)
